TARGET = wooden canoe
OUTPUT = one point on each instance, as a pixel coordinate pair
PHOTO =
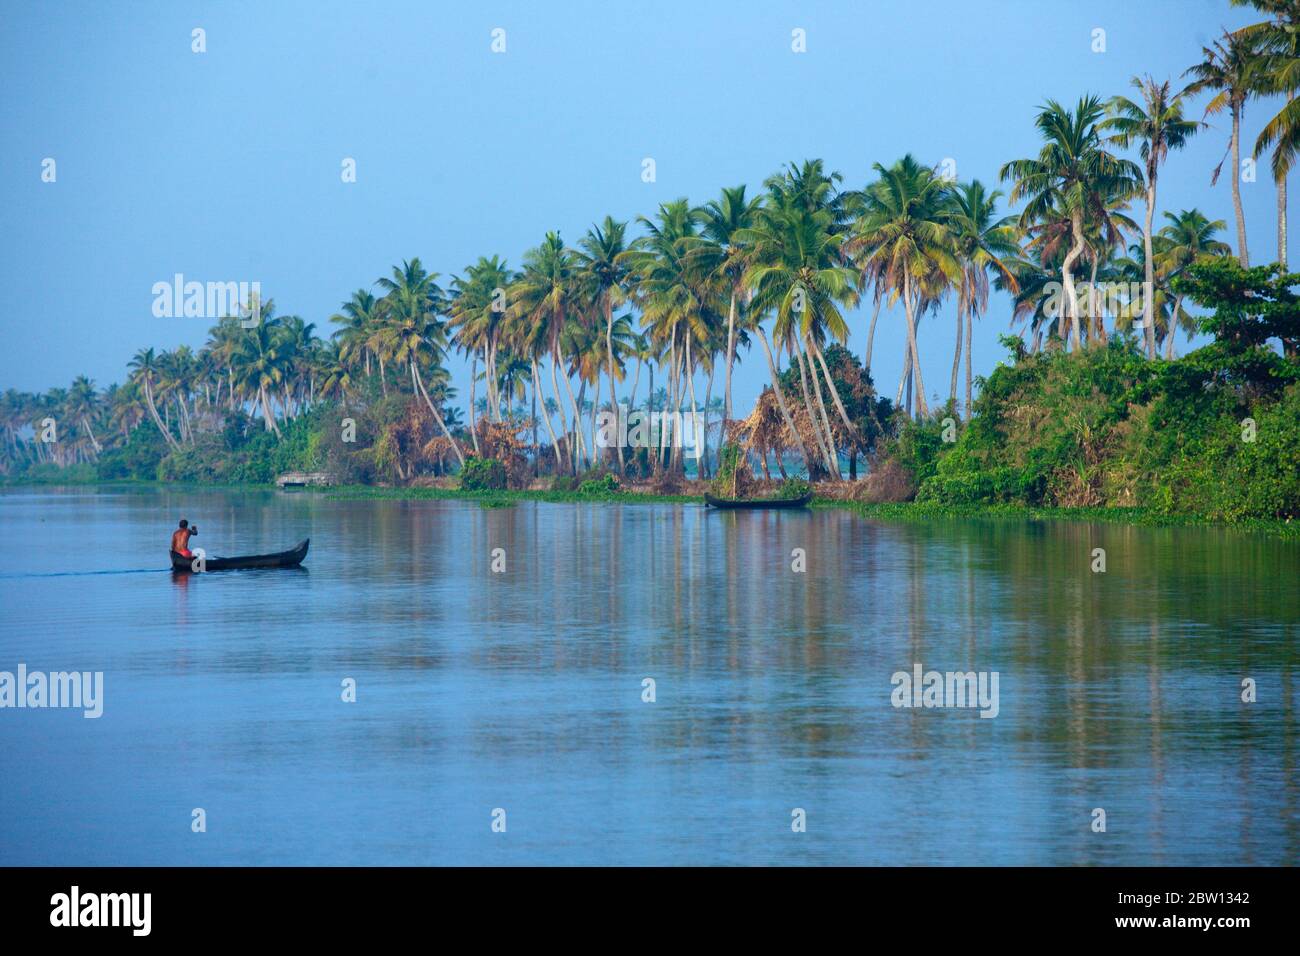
(765, 503)
(282, 559)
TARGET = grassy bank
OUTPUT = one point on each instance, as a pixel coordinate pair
(902, 511)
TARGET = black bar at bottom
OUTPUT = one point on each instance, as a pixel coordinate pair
(336, 905)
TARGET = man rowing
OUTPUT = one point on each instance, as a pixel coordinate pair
(181, 539)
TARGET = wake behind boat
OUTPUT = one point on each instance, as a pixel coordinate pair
(282, 559)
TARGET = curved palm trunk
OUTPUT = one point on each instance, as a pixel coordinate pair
(1067, 276)
(94, 442)
(157, 419)
(808, 409)
(871, 334)
(1173, 327)
(267, 415)
(419, 384)
(546, 417)
(833, 456)
(780, 399)
(835, 393)
(1242, 252)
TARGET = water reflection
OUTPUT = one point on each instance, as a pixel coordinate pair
(522, 688)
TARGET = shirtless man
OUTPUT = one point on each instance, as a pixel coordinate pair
(181, 539)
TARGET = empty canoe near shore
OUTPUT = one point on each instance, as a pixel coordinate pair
(765, 503)
(282, 559)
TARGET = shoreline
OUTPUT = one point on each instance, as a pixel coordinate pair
(883, 511)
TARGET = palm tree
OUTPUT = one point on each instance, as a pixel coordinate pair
(541, 301)
(722, 221)
(1187, 236)
(82, 405)
(144, 367)
(799, 273)
(1073, 171)
(1158, 126)
(260, 363)
(985, 244)
(1231, 69)
(672, 289)
(602, 274)
(412, 332)
(1279, 44)
(904, 241)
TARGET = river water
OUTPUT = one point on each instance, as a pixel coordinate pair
(518, 697)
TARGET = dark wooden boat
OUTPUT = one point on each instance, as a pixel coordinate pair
(282, 559)
(767, 503)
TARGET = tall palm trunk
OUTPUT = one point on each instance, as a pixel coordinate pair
(1149, 285)
(909, 307)
(970, 312)
(473, 422)
(780, 399)
(871, 334)
(613, 398)
(1242, 252)
(268, 417)
(580, 443)
(559, 402)
(956, 354)
(731, 353)
(1281, 221)
(695, 426)
(418, 381)
(546, 417)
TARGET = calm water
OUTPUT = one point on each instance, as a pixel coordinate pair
(523, 690)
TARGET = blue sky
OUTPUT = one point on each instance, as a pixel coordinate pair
(226, 165)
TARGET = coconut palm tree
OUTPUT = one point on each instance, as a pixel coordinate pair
(1157, 125)
(413, 333)
(602, 277)
(542, 300)
(985, 244)
(799, 274)
(722, 220)
(904, 240)
(1231, 69)
(1186, 237)
(1074, 172)
(144, 369)
(260, 363)
(82, 405)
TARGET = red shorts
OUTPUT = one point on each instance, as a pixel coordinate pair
(185, 553)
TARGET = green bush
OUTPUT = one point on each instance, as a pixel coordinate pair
(602, 486)
(793, 488)
(483, 474)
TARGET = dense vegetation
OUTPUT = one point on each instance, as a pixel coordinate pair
(1094, 408)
